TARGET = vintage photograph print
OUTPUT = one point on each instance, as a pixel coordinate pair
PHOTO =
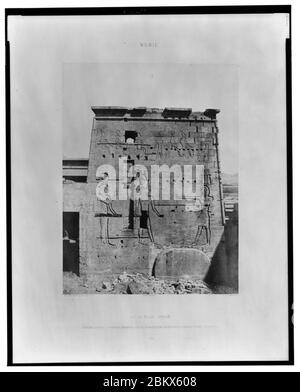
(150, 179)
(150, 186)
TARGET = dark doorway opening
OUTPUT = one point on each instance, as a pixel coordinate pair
(130, 136)
(71, 242)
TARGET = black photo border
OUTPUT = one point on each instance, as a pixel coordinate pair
(260, 9)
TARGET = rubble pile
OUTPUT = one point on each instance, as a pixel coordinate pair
(133, 283)
(141, 284)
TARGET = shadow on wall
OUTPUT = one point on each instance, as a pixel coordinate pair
(224, 263)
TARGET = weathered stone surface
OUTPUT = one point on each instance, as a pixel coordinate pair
(138, 288)
(107, 286)
(120, 288)
(183, 263)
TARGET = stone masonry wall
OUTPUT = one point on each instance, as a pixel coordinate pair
(107, 246)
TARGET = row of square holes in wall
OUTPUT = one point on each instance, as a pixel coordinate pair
(146, 157)
(122, 257)
(131, 136)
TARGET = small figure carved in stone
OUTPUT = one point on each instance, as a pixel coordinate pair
(104, 195)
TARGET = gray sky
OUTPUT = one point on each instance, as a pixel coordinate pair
(151, 85)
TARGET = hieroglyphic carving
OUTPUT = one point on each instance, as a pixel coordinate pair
(158, 146)
(142, 152)
(204, 226)
(207, 179)
(207, 194)
(119, 136)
